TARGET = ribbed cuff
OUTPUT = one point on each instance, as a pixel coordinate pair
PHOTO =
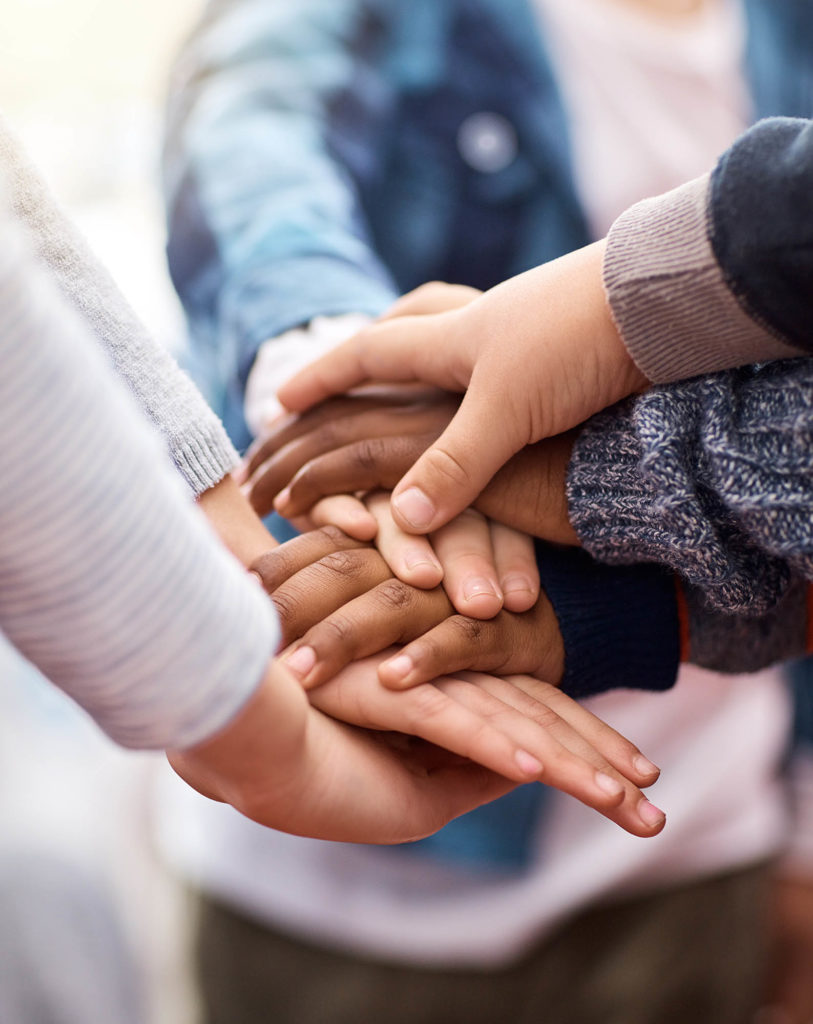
(670, 302)
(744, 643)
(619, 625)
(204, 458)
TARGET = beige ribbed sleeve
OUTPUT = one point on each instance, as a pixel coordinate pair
(668, 296)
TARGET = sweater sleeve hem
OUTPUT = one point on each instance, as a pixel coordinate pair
(669, 299)
(619, 625)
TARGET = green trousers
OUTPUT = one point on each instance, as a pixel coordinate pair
(692, 954)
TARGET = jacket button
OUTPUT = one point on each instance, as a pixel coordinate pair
(487, 142)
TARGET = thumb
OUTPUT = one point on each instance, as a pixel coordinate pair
(449, 476)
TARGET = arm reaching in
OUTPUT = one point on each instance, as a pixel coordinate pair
(711, 276)
(535, 356)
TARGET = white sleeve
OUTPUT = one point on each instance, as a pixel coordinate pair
(111, 581)
(280, 358)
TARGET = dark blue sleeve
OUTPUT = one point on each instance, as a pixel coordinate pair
(801, 677)
(619, 624)
(761, 223)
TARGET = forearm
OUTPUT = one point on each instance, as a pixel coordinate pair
(264, 250)
(745, 643)
(631, 627)
(619, 625)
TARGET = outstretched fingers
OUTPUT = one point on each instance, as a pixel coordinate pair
(594, 743)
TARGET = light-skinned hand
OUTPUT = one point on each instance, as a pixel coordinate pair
(535, 356)
(578, 753)
(288, 766)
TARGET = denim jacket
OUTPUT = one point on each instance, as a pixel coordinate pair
(317, 163)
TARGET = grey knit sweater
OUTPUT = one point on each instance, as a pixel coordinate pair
(712, 476)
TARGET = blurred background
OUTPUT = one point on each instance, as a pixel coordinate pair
(83, 85)
(91, 918)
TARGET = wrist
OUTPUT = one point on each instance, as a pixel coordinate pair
(252, 760)
(234, 520)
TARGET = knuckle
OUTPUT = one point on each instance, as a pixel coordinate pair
(425, 703)
(367, 454)
(342, 563)
(469, 632)
(336, 631)
(395, 595)
(333, 535)
(545, 716)
(447, 466)
(286, 605)
(272, 567)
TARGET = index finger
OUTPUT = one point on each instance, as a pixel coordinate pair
(411, 348)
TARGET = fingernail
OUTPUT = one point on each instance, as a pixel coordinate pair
(517, 584)
(239, 474)
(282, 498)
(528, 764)
(415, 557)
(301, 661)
(415, 508)
(399, 667)
(644, 766)
(607, 783)
(649, 813)
(476, 586)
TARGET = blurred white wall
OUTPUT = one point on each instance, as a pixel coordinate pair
(83, 82)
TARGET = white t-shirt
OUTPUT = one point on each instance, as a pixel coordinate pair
(672, 91)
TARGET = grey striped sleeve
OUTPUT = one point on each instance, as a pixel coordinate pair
(668, 296)
(193, 434)
(110, 580)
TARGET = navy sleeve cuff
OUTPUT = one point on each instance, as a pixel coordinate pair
(619, 624)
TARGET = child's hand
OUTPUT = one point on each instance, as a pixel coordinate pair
(485, 565)
(520, 728)
(337, 598)
(288, 766)
(535, 356)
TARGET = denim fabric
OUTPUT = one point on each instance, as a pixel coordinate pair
(312, 164)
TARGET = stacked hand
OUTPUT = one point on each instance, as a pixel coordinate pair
(339, 597)
(343, 766)
(338, 600)
(535, 356)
